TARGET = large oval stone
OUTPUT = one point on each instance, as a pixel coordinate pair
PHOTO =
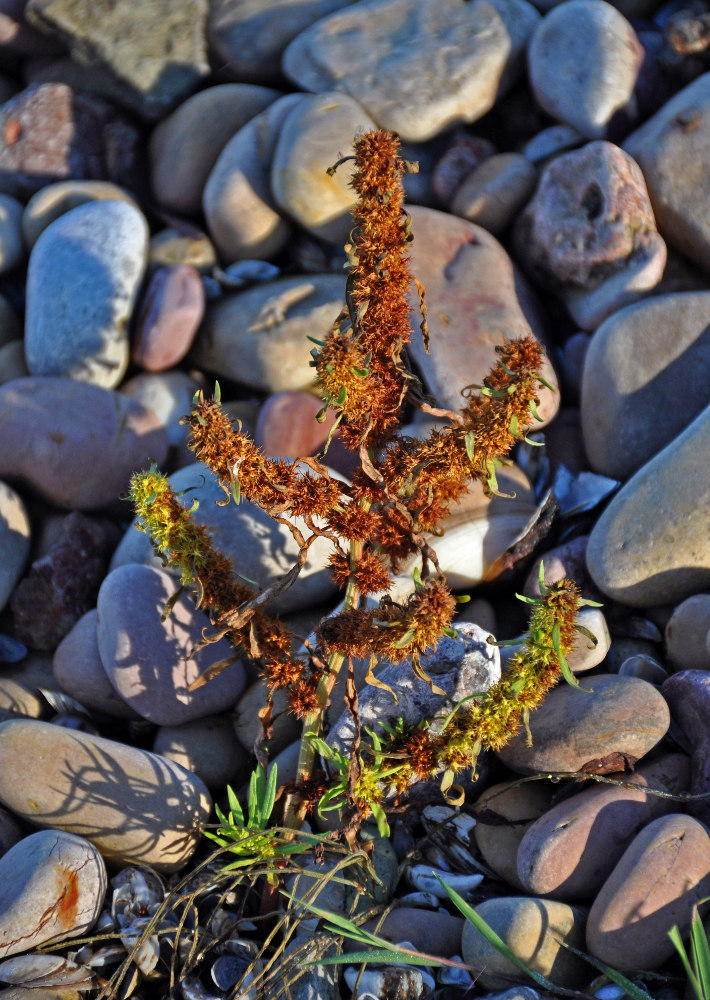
(662, 875)
(150, 662)
(76, 444)
(52, 887)
(572, 727)
(134, 806)
(82, 282)
(651, 545)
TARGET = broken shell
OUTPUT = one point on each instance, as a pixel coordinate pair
(136, 890)
(450, 831)
(193, 989)
(46, 971)
(145, 954)
(424, 877)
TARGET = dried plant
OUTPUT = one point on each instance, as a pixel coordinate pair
(402, 489)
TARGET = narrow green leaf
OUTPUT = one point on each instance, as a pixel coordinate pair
(584, 602)
(536, 415)
(634, 991)
(528, 600)
(236, 490)
(384, 956)
(235, 806)
(342, 396)
(541, 578)
(270, 794)
(463, 598)
(314, 340)
(405, 639)
(556, 638)
(380, 817)
(417, 577)
(320, 415)
(514, 424)
(568, 675)
(217, 395)
(470, 441)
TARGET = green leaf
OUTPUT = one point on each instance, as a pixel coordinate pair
(314, 340)
(405, 639)
(492, 938)
(514, 423)
(385, 956)
(568, 675)
(463, 598)
(536, 415)
(541, 578)
(634, 991)
(236, 489)
(380, 817)
(342, 396)
(217, 395)
(320, 415)
(584, 602)
(556, 638)
(451, 632)
(470, 441)
(528, 600)
(417, 577)
(235, 806)
(269, 794)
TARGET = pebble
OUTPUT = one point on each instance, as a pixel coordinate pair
(20, 685)
(534, 930)
(650, 545)
(248, 42)
(61, 585)
(170, 247)
(12, 251)
(571, 728)
(671, 148)
(208, 747)
(550, 142)
(287, 425)
(363, 55)
(56, 200)
(462, 158)
(585, 654)
(316, 131)
(260, 549)
(491, 195)
(153, 55)
(82, 282)
(662, 874)
(259, 337)
(644, 666)
(475, 299)
(185, 146)
(458, 666)
(52, 887)
(656, 348)
(584, 61)
(504, 812)
(686, 634)
(241, 214)
(570, 851)
(168, 318)
(285, 729)
(74, 443)
(50, 132)
(589, 232)
(15, 534)
(78, 670)
(149, 662)
(566, 560)
(688, 696)
(134, 806)
(169, 395)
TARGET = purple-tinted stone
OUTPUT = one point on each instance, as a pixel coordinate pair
(62, 585)
(688, 697)
(50, 132)
(168, 318)
(454, 166)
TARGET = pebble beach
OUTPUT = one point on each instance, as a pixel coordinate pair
(167, 220)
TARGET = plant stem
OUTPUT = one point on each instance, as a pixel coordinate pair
(295, 805)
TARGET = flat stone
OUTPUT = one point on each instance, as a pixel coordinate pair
(672, 148)
(688, 696)
(532, 928)
(150, 662)
(184, 146)
(241, 213)
(82, 283)
(50, 132)
(571, 850)
(467, 58)
(584, 60)
(260, 549)
(57, 199)
(656, 348)
(317, 131)
(663, 873)
(651, 545)
(571, 728)
(78, 670)
(134, 806)
(52, 888)
(459, 667)
(433, 931)
(75, 444)
(248, 39)
(168, 318)
(15, 533)
(476, 299)
(259, 337)
(156, 53)
(62, 585)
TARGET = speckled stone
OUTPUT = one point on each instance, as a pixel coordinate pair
(468, 56)
(52, 888)
(136, 807)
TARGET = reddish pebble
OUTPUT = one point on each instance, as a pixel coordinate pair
(287, 427)
(169, 317)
